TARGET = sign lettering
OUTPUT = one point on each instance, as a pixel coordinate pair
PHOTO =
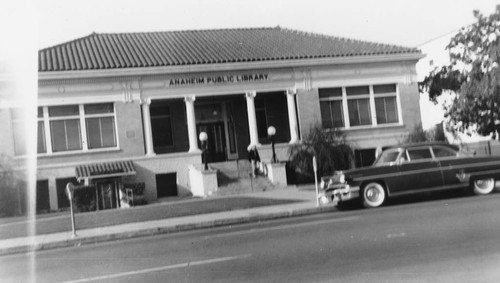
(221, 79)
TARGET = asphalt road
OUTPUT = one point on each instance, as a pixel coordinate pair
(447, 240)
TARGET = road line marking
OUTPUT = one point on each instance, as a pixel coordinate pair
(161, 268)
(351, 218)
(398, 235)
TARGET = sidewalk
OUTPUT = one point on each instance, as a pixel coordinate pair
(306, 205)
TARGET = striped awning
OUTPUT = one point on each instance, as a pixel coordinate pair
(105, 170)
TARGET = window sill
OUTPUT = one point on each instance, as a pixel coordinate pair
(369, 127)
(78, 152)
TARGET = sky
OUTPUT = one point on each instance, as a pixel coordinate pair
(400, 22)
(29, 25)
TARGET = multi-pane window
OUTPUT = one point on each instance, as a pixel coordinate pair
(100, 123)
(76, 127)
(332, 113)
(65, 128)
(358, 105)
(386, 103)
(355, 106)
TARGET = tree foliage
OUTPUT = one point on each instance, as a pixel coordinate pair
(330, 149)
(11, 193)
(420, 135)
(473, 74)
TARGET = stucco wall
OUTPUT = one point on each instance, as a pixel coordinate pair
(308, 110)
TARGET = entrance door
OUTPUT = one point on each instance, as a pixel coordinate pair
(107, 193)
(216, 143)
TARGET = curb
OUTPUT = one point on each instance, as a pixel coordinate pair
(253, 217)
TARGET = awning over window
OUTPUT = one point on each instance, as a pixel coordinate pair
(105, 170)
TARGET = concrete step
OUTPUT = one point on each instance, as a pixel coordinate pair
(234, 177)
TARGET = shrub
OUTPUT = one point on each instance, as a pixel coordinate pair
(330, 149)
(420, 135)
(84, 198)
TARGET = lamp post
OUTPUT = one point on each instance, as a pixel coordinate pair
(203, 138)
(271, 131)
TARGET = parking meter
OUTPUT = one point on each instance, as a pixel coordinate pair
(70, 189)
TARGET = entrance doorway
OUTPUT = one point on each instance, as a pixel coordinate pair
(107, 193)
(216, 119)
(216, 143)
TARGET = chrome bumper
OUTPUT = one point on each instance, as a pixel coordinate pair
(336, 193)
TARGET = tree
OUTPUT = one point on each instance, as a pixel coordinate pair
(11, 197)
(330, 149)
(473, 74)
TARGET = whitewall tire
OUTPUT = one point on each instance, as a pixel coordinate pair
(483, 186)
(373, 195)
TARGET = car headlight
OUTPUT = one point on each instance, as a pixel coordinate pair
(342, 178)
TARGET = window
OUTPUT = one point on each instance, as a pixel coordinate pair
(356, 106)
(443, 152)
(388, 156)
(161, 125)
(419, 153)
(332, 113)
(358, 101)
(166, 185)
(41, 141)
(65, 128)
(76, 127)
(385, 103)
(100, 123)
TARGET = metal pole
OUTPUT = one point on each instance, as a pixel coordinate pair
(72, 218)
(315, 168)
(274, 153)
(205, 155)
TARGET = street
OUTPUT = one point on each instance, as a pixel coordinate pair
(444, 240)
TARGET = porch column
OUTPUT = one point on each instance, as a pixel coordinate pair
(146, 117)
(292, 115)
(191, 123)
(252, 120)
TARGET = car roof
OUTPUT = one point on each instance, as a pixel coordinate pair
(411, 145)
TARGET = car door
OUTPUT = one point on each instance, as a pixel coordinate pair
(420, 172)
(451, 167)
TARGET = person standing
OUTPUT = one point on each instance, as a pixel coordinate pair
(254, 158)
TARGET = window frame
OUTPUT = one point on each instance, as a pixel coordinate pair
(371, 96)
(163, 116)
(82, 122)
(330, 100)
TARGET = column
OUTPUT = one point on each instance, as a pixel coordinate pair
(191, 123)
(292, 115)
(252, 120)
(146, 117)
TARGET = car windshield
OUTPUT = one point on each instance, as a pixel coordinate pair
(387, 157)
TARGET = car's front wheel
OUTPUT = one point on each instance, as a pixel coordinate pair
(373, 195)
(483, 186)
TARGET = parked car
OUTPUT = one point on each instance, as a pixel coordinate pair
(411, 169)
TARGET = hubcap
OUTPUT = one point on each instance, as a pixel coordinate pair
(372, 194)
(483, 184)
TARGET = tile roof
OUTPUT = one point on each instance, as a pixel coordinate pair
(160, 49)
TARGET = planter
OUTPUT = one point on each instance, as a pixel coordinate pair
(276, 172)
(203, 182)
